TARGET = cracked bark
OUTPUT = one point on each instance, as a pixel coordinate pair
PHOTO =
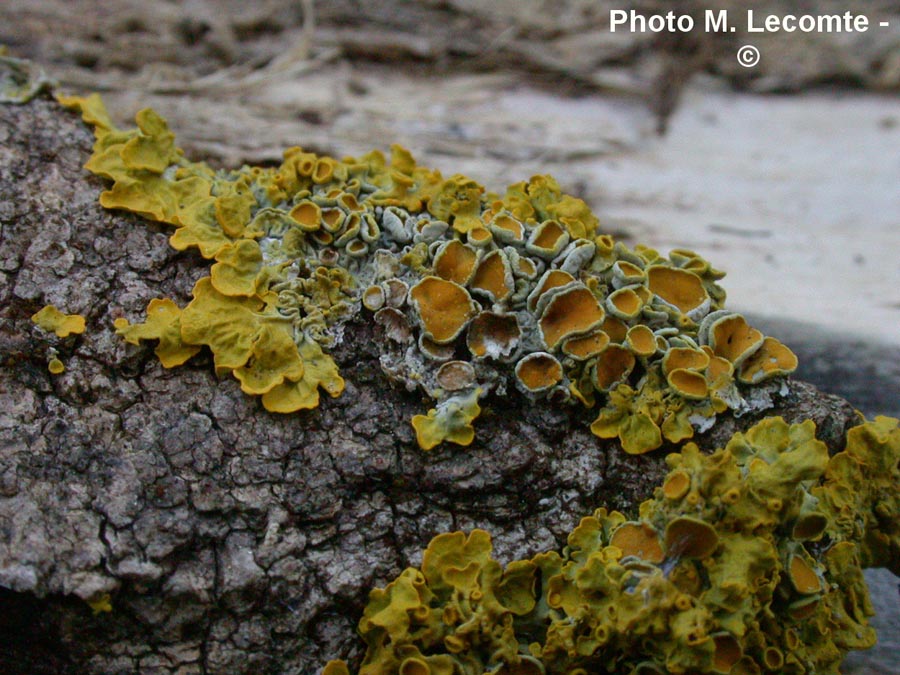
(232, 540)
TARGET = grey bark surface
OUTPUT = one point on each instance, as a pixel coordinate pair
(233, 540)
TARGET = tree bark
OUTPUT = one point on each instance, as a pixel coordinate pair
(233, 540)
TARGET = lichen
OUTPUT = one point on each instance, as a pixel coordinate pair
(101, 604)
(747, 560)
(50, 319)
(451, 421)
(163, 324)
(55, 366)
(521, 286)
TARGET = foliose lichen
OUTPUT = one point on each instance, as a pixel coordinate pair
(50, 320)
(745, 561)
(477, 293)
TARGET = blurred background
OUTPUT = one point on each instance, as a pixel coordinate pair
(785, 174)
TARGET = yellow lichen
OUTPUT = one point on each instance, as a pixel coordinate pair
(164, 324)
(624, 303)
(688, 383)
(51, 319)
(236, 268)
(506, 228)
(612, 366)
(631, 420)
(641, 341)
(101, 604)
(550, 280)
(450, 421)
(548, 239)
(227, 325)
(319, 370)
(770, 360)
(297, 249)
(273, 359)
(686, 358)
(458, 202)
(690, 537)
(732, 338)
(726, 592)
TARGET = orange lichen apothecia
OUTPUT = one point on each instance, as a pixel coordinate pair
(515, 290)
(746, 561)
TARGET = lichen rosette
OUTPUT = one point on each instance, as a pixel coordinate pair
(521, 286)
